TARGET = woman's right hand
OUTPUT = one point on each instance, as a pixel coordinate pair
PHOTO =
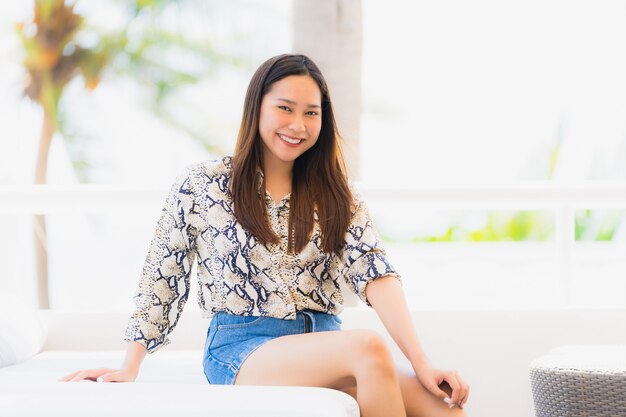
(101, 375)
(135, 353)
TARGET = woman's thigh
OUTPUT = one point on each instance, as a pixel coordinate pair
(320, 359)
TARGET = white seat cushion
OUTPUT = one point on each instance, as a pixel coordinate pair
(170, 384)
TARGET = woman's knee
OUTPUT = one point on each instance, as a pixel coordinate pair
(372, 353)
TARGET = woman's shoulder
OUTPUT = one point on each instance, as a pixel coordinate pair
(203, 175)
(357, 202)
(209, 168)
(353, 186)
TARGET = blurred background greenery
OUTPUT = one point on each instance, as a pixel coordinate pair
(59, 44)
(528, 225)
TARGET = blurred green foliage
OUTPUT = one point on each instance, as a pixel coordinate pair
(59, 44)
(499, 226)
(598, 225)
(533, 225)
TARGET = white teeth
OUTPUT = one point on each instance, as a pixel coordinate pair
(289, 140)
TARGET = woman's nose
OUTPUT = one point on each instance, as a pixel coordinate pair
(297, 124)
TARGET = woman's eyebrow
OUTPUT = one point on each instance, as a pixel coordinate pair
(293, 103)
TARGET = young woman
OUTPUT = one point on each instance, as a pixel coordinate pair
(274, 229)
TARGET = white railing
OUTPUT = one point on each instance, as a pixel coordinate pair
(564, 199)
(96, 198)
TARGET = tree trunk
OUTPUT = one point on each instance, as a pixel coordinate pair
(41, 241)
(330, 33)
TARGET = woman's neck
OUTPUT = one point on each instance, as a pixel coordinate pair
(278, 177)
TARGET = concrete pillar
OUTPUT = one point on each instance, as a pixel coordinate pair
(330, 33)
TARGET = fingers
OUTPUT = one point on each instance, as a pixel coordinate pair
(460, 389)
(464, 391)
(87, 374)
(80, 376)
(112, 377)
(451, 378)
(68, 377)
(443, 391)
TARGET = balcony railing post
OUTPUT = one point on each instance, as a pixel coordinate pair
(564, 239)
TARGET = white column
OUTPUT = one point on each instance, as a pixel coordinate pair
(330, 33)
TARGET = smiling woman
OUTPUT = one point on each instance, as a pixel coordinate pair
(270, 270)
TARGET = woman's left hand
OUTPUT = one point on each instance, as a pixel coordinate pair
(432, 378)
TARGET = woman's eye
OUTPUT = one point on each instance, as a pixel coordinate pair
(313, 113)
(284, 108)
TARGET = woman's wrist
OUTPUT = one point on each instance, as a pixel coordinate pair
(135, 354)
(131, 371)
(131, 368)
(420, 363)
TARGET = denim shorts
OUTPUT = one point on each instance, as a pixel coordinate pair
(231, 339)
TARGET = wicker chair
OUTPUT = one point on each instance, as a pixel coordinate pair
(580, 381)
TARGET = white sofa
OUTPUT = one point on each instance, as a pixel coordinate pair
(491, 349)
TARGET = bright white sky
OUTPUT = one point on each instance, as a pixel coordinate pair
(477, 91)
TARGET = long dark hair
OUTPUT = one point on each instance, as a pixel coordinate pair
(319, 175)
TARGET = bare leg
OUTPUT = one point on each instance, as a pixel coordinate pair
(418, 401)
(334, 360)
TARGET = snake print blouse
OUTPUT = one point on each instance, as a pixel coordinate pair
(237, 274)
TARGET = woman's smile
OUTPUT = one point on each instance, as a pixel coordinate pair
(290, 140)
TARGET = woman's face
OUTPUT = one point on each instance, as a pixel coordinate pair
(291, 118)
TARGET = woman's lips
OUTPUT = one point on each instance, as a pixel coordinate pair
(290, 140)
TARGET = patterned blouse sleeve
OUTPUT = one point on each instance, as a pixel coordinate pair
(363, 255)
(163, 286)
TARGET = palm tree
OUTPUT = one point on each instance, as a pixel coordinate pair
(53, 56)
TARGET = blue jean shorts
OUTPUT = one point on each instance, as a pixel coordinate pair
(231, 339)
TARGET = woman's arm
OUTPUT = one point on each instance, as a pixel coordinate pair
(387, 298)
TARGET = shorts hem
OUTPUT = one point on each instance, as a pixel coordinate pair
(240, 361)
